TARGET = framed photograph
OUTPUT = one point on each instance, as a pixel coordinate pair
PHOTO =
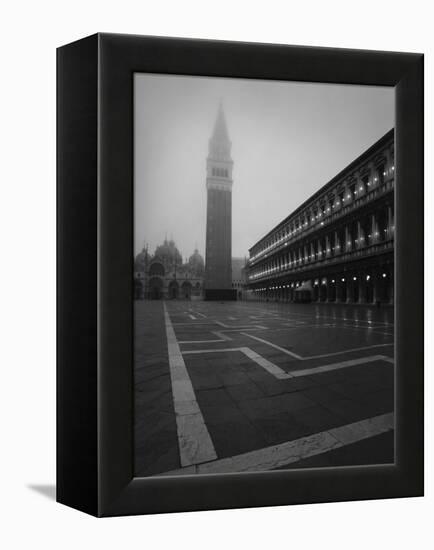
(240, 275)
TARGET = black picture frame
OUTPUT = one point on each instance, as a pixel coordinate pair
(95, 274)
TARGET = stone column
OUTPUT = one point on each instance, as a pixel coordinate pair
(390, 225)
(350, 294)
(336, 239)
(362, 289)
(391, 290)
(376, 287)
(324, 293)
(389, 162)
(374, 229)
(359, 235)
(328, 246)
(347, 239)
(320, 251)
(315, 290)
(328, 290)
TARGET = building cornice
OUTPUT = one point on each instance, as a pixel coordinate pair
(337, 181)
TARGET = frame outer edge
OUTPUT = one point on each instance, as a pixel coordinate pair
(121, 493)
(76, 446)
(410, 255)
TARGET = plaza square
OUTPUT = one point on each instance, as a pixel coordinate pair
(264, 319)
(237, 386)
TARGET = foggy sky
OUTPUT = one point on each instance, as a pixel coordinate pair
(288, 139)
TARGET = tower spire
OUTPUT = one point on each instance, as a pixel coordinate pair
(220, 133)
(218, 263)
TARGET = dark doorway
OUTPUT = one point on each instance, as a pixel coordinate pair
(331, 292)
(355, 291)
(173, 290)
(138, 290)
(323, 292)
(155, 288)
(186, 290)
(369, 291)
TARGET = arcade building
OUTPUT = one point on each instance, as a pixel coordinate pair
(338, 246)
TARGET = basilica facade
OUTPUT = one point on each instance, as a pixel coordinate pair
(338, 246)
(164, 274)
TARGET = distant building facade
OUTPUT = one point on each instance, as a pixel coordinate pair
(239, 276)
(338, 246)
(164, 275)
(218, 255)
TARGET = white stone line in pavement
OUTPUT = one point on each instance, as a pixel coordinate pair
(270, 367)
(290, 452)
(351, 433)
(221, 338)
(197, 351)
(220, 334)
(308, 357)
(275, 346)
(242, 327)
(280, 374)
(189, 324)
(202, 341)
(224, 325)
(253, 327)
(343, 352)
(195, 444)
(335, 366)
(192, 317)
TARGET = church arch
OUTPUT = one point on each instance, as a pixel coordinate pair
(173, 290)
(155, 288)
(156, 269)
(186, 290)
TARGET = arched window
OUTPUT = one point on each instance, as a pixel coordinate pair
(381, 173)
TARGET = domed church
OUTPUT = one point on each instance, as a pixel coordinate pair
(165, 275)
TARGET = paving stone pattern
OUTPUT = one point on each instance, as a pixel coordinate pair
(245, 405)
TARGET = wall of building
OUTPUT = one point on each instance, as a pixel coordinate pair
(339, 245)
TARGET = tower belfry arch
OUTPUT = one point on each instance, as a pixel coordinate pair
(218, 257)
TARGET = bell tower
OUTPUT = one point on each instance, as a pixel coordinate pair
(218, 259)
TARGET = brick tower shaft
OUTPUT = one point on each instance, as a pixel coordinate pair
(218, 259)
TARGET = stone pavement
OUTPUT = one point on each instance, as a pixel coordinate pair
(247, 386)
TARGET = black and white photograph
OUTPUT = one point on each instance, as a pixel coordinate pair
(264, 224)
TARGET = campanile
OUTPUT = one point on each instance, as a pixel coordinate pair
(218, 257)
